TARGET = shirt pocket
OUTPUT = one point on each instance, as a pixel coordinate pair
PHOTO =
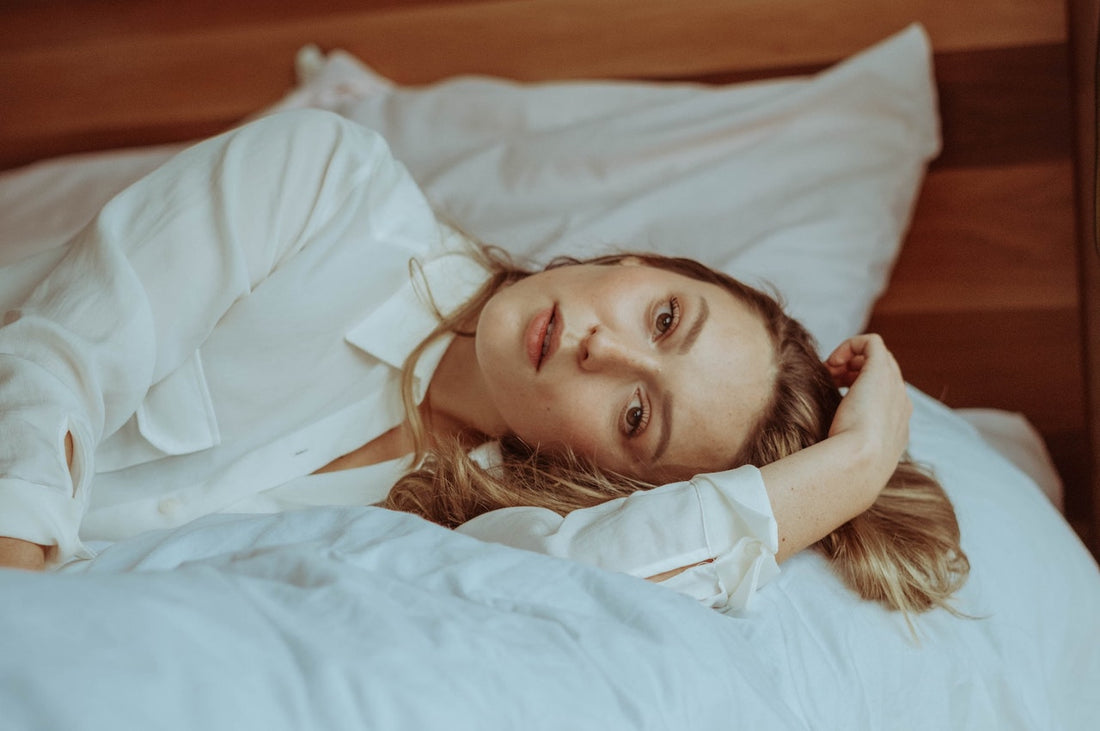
(176, 417)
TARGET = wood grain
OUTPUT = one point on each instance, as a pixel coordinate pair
(1085, 16)
(989, 238)
(105, 66)
(1016, 371)
(1004, 106)
(715, 34)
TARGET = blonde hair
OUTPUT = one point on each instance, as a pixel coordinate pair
(903, 552)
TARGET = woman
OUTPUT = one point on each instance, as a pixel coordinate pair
(903, 551)
(228, 335)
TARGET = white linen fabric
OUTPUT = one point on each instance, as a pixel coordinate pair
(1011, 434)
(193, 338)
(356, 617)
(153, 339)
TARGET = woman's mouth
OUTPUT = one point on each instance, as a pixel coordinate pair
(540, 339)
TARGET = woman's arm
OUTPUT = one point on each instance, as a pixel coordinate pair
(142, 286)
(818, 489)
(18, 554)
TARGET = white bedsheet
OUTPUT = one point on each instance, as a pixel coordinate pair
(361, 618)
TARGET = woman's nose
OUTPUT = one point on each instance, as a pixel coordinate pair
(601, 350)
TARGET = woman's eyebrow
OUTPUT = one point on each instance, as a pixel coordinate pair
(696, 327)
(666, 406)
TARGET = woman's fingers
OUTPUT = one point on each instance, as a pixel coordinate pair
(859, 345)
(851, 357)
(848, 370)
(876, 403)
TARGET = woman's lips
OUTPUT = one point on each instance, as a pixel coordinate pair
(540, 337)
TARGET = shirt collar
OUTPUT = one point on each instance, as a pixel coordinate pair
(406, 318)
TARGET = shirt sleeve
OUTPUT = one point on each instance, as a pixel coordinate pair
(720, 525)
(143, 285)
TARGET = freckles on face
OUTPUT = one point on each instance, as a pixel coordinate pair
(570, 414)
(626, 347)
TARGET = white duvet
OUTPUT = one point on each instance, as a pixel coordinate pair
(366, 619)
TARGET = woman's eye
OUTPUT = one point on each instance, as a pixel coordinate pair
(635, 417)
(667, 317)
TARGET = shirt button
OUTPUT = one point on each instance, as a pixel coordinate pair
(169, 506)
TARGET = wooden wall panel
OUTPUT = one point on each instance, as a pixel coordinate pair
(989, 239)
(1085, 25)
(140, 64)
(768, 33)
(1004, 106)
(930, 347)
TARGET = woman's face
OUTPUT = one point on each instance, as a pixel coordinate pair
(646, 371)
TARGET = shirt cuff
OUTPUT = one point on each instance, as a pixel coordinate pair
(38, 514)
(742, 537)
(720, 525)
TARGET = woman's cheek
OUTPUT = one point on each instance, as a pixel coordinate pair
(536, 416)
(575, 425)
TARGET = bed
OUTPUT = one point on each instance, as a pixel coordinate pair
(950, 216)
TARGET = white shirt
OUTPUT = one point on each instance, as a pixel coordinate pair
(237, 320)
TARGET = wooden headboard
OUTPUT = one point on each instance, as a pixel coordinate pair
(1084, 20)
(986, 304)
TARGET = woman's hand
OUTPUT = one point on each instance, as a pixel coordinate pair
(816, 490)
(18, 554)
(876, 408)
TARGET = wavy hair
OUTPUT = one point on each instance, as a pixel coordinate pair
(903, 552)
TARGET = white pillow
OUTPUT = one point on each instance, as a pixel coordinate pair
(806, 184)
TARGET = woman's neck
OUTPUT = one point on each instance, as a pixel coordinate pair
(457, 398)
(456, 405)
